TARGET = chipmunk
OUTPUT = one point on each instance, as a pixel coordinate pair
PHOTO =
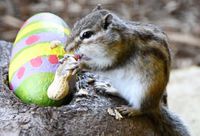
(136, 59)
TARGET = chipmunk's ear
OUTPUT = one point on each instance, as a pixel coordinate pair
(98, 7)
(107, 20)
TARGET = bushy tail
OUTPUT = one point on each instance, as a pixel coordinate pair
(168, 123)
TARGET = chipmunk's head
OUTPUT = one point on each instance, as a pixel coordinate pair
(95, 39)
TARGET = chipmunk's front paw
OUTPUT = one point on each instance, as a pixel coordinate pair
(71, 63)
(66, 57)
(105, 88)
(128, 111)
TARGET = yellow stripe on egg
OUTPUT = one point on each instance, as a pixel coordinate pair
(41, 49)
(40, 25)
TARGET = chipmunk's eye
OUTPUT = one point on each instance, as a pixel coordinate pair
(86, 35)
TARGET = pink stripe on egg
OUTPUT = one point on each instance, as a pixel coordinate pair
(32, 39)
(36, 62)
(20, 72)
(53, 59)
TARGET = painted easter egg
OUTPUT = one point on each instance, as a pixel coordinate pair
(34, 59)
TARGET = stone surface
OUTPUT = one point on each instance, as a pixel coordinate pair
(86, 114)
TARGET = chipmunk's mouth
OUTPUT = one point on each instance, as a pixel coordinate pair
(81, 57)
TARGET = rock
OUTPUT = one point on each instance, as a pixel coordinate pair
(84, 115)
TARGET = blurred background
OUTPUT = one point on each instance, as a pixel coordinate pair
(180, 19)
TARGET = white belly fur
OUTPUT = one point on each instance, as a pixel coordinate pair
(128, 84)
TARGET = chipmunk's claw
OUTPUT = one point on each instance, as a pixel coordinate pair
(66, 56)
(128, 111)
